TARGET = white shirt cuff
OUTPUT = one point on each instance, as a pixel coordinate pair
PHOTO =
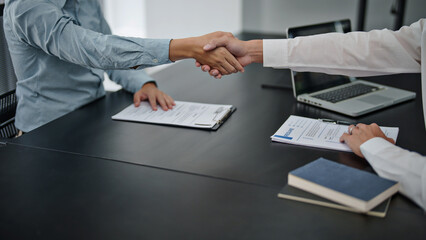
(275, 53)
(374, 145)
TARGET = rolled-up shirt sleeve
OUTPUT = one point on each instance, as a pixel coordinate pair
(43, 25)
(395, 163)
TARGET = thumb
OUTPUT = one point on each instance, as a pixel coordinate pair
(214, 43)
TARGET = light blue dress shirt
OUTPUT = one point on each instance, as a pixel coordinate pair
(60, 50)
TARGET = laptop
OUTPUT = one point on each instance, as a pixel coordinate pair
(343, 94)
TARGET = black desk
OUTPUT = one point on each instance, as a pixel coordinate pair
(53, 195)
(239, 153)
(240, 150)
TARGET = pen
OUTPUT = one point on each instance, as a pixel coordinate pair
(336, 121)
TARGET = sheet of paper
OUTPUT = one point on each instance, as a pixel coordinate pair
(189, 114)
(315, 133)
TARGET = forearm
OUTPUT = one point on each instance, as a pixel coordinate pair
(255, 50)
(183, 48)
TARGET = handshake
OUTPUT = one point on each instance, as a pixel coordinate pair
(218, 53)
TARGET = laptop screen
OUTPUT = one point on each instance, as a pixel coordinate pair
(307, 82)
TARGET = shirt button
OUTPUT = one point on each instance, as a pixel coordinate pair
(155, 60)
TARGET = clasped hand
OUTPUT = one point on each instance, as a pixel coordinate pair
(217, 57)
(244, 52)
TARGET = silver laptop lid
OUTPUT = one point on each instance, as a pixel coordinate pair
(308, 82)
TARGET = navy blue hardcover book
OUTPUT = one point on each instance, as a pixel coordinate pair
(342, 184)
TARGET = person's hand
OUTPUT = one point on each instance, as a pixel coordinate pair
(359, 134)
(245, 52)
(150, 92)
(219, 58)
(235, 46)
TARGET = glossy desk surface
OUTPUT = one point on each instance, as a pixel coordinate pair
(239, 150)
(54, 195)
(228, 178)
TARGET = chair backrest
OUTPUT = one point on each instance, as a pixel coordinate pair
(7, 115)
(7, 87)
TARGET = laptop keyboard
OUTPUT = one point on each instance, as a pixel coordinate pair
(344, 93)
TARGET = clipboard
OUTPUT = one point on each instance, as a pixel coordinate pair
(224, 118)
(184, 114)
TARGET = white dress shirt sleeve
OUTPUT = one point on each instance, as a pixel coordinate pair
(275, 53)
(395, 163)
(377, 52)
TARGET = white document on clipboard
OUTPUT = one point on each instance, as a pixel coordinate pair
(316, 133)
(185, 114)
